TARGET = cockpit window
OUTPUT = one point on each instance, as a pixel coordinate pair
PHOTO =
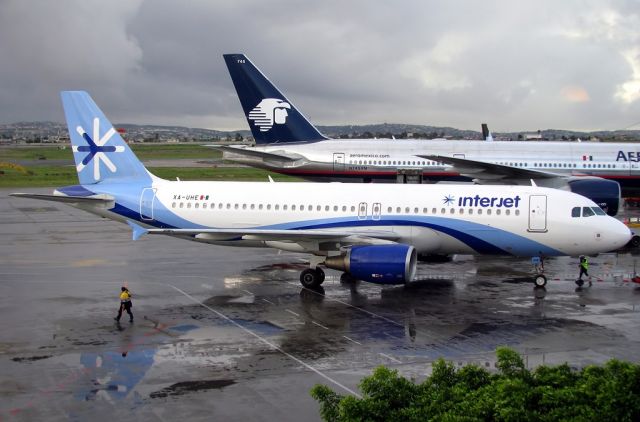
(575, 212)
(598, 211)
(587, 212)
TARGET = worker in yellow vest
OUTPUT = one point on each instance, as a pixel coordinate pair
(125, 304)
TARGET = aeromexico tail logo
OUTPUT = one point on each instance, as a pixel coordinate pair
(96, 149)
(483, 201)
(270, 111)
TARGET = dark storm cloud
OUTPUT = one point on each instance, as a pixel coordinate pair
(517, 65)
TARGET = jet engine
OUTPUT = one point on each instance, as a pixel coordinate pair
(605, 193)
(381, 264)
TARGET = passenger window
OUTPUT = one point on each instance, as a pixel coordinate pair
(197, 205)
(442, 211)
(260, 206)
(344, 208)
(188, 204)
(470, 211)
(181, 204)
(407, 210)
(598, 211)
(517, 212)
(480, 211)
(277, 207)
(293, 207)
(389, 210)
(335, 208)
(452, 210)
(173, 205)
(498, 212)
(353, 208)
(433, 211)
(489, 211)
(268, 206)
(235, 206)
(327, 208)
(244, 206)
(587, 212)
(284, 207)
(575, 212)
(507, 212)
(398, 210)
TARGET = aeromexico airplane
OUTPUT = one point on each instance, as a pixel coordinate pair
(288, 143)
(372, 232)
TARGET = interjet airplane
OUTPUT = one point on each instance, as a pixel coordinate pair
(288, 143)
(371, 232)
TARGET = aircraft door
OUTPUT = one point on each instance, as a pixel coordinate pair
(338, 161)
(376, 209)
(538, 213)
(147, 199)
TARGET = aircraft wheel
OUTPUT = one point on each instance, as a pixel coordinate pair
(311, 278)
(540, 280)
(346, 278)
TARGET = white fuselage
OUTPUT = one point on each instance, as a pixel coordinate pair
(375, 159)
(443, 219)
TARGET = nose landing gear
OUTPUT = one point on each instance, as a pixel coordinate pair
(540, 280)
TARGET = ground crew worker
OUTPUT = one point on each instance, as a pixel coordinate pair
(125, 304)
(584, 268)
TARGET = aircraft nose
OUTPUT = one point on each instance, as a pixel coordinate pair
(617, 234)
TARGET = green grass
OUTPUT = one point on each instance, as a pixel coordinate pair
(143, 151)
(57, 176)
(42, 175)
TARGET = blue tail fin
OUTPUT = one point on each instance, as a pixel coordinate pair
(99, 151)
(271, 117)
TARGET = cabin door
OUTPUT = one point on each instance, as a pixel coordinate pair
(338, 161)
(146, 203)
(538, 213)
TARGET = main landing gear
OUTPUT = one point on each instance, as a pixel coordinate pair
(312, 277)
(540, 280)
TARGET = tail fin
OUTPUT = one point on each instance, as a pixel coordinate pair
(99, 151)
(271, 117)
(486, 135)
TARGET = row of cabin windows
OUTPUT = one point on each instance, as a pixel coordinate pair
(504, 163)
(586, 211)
(336, 208)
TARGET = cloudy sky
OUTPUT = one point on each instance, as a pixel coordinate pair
(518, 65)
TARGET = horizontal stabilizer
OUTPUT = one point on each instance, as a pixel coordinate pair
(138, 231)
(65, 198)
(266, 156)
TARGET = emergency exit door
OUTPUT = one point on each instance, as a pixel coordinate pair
(146, 203)
(538, 213)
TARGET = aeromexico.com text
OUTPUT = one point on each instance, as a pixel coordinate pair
(489, 201)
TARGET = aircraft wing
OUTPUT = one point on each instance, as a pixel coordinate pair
(345, 238)
(94, 200)
(281, 156)
(483, 172)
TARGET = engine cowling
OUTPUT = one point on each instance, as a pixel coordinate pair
(381, 264)
(605, 193)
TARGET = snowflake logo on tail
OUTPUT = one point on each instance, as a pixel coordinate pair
(96, 149)
(448, 200)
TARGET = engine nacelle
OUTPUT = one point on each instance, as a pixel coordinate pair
(382, 264)
(605, 193)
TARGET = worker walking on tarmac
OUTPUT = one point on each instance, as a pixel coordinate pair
(125, 304)
(584, 269)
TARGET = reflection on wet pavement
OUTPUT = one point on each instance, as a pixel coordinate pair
(222, 334)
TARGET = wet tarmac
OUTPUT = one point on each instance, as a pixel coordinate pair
(229, 334)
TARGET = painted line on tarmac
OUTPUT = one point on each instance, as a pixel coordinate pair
(350, 339)
(267, 342)
(390, 358)
(320, 325)
(247, 291)
(268, 301)
(291, 312)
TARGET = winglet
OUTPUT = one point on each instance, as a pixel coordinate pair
(138, 231)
